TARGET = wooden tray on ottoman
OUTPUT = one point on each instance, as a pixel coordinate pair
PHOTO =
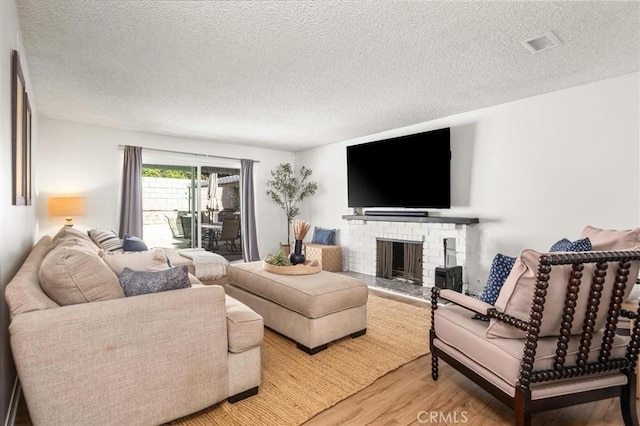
(306, 268)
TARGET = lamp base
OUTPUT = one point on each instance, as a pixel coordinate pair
(68, 222)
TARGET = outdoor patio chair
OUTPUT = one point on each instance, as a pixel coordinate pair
(229, 234)
(175, 232)
(186, 225)
(550, 341)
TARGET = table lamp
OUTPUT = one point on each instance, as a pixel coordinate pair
(68, 207)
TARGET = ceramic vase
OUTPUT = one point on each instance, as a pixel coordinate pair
(297, 256)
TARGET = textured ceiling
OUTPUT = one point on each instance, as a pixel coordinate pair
(297, 74)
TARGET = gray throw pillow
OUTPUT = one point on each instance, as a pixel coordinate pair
(135, 283)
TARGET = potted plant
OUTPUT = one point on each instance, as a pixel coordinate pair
(287, 190)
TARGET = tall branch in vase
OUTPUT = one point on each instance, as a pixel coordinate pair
(286, 190)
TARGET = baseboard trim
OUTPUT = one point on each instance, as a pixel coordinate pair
(12, 412)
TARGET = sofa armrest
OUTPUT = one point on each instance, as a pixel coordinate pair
(468, 302)
(137, 360)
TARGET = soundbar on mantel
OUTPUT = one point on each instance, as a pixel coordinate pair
(405, 213)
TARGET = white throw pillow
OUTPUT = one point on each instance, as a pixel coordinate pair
(152, 260)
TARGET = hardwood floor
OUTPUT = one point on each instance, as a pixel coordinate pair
(408, 396)
(403, 395)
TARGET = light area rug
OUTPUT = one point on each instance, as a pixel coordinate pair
(296, 386)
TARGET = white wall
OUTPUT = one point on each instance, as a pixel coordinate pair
(85, 160)
(533, 171)
(17, 223)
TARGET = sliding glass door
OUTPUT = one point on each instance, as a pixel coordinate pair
(185, 201)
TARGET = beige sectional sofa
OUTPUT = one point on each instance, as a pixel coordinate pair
(105, 359)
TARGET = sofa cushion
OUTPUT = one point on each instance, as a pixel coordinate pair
(245, 328)
(69, 231)
(106, 239)
(136, 283)
(73, 241)
(515, 298)
(152, 260)
(71, 275)
(72, 237)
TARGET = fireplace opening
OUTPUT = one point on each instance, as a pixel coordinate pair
(397, 261)
(401, 260)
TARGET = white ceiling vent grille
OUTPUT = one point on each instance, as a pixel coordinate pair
(542, 42)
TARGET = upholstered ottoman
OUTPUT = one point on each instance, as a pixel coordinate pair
(313, 309)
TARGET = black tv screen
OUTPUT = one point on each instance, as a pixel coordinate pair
(408, 171)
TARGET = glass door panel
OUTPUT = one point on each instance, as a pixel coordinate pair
(186, 198)
(169, 203)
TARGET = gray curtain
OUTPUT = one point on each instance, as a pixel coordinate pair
(248, 221)
(131, 202)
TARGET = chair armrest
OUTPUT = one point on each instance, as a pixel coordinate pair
(465, 301)
(116, 358)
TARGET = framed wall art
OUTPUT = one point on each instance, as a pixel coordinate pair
(20, 135)
(27, 150)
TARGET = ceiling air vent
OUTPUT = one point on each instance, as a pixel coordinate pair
(542, 42)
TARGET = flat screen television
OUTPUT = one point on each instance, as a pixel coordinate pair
(411, 171)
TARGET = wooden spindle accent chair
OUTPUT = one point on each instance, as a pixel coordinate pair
(540, 371)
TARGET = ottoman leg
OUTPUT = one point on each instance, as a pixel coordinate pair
(359, 333)
(312, 351)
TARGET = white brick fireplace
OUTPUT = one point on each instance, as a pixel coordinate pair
(430, 231)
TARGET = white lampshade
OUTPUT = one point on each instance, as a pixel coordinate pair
(68, 207)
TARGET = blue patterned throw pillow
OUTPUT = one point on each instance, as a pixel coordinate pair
(564, 244)
(500, 269)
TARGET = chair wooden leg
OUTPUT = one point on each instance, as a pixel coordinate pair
(628, 402)
(434, 366)
(521, 413)
(434, 357)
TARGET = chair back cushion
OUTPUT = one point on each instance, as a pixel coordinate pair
(606, 239)
(516, 295)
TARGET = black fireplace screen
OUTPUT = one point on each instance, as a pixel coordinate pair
(399, 259)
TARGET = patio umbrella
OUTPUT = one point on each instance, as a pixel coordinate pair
(212, 202)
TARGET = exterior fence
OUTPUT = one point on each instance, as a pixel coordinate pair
(163, 198)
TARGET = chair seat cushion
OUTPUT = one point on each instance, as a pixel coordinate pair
(454, 326)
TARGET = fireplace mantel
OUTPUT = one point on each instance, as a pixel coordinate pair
(419, 219)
